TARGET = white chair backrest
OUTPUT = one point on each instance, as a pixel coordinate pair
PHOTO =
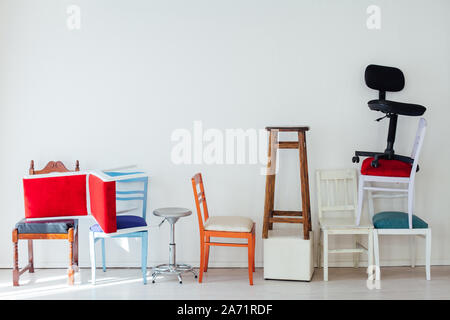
(337, 192)
(418, 142)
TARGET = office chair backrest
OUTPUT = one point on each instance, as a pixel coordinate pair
(384, 78)
(337, 193)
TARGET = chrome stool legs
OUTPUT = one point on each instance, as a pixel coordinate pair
(172, 268)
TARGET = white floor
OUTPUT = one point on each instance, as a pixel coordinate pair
(344, 283)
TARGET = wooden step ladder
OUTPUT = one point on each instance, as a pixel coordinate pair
(272, 216)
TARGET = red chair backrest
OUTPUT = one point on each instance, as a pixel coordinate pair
(103, 203)
(55, 196)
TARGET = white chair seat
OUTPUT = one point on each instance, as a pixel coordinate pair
(229, 223)
(342, 223)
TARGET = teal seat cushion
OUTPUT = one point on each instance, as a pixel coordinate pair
(396, 220)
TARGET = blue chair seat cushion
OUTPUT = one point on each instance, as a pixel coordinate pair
(46, 226)
(124, 222)
(396, 220)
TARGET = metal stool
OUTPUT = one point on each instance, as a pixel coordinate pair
(171, 215)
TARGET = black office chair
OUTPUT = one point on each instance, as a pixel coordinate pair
(388, 79)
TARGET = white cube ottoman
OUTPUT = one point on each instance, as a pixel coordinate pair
(287, 256)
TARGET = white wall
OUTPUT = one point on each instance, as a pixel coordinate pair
(113, 92)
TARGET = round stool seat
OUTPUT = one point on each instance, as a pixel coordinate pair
(172, 214)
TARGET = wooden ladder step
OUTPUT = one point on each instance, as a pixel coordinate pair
(287, 145)
(286, 220)
(287, 213)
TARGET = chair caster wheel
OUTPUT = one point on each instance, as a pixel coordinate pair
(355, 159)
(181, 282)
(153, 281)
(195, 276)
(374, 164)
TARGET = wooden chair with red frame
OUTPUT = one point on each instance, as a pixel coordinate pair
(48, 229)
(221, 227)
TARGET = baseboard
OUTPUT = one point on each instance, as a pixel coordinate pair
(112, 264)
(231, 264)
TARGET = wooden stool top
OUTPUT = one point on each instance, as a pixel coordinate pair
(286, 129)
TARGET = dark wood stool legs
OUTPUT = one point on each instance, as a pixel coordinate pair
(270, 182)
(71, 235)
(304, 180)
(277, 216)
(70, 271)
(30, 256)
(16, 271)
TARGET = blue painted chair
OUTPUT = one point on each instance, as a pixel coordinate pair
(128, 226)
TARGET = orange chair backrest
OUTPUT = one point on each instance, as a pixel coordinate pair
(200, 199)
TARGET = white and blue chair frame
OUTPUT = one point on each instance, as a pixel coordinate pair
(407, 191)
(132, 232)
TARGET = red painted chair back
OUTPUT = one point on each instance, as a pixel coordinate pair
(103, 203)
(55, 196)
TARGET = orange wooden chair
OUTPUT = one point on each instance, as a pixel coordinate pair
(222, 227)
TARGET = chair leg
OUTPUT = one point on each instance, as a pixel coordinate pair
(325, 255)
(103, 255)
(30, 256)
(360, 199)
(428, 254)
(254, 249)
(144, 256)
(250, 259)
(410, 204)
(376, 251)
(355, 255)
(319, 247)
(15, 239)
(370, 248)
(75, 250)
(70, 271)
(207, 254)
(92, 255)
(412, 248)
(202, 261)
(370, 202)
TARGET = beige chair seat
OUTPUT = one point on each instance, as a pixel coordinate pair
(229, 223)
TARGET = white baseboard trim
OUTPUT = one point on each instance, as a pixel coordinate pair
(136, 264)
(228, 264)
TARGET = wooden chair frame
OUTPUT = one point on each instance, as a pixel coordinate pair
(344, 211)
(71, 235)
(205, 235)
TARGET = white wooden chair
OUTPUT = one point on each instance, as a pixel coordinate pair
(337, 205)
(386, 225)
